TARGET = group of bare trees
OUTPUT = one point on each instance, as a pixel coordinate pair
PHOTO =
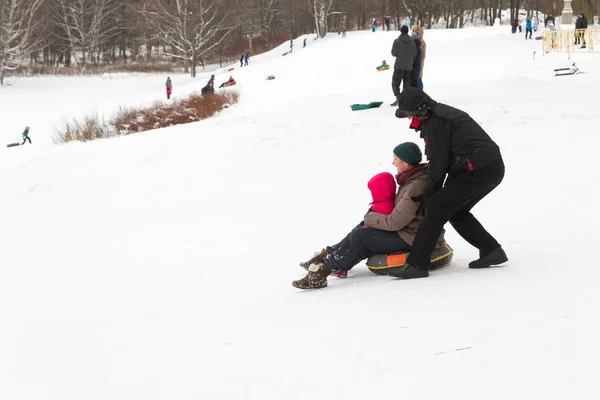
(81, 33)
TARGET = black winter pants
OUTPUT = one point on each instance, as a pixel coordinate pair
(454, 203)
(26, 139)
(400, 75)
(362, 243)
(528, 32)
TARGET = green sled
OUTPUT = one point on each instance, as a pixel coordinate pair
(358, 107)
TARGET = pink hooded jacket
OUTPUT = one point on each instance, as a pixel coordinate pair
(383, 190)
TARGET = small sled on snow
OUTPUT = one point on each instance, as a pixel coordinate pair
(13, 144)
(567, 71)
(384, 65)
(359, 107)
(382, 264)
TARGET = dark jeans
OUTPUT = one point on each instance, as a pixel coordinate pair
(454, 203)
(362, 243)
(400, 76)
(528, 31)
(26, 139)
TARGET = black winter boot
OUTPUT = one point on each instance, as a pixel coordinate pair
(496, 257)
(394, 104)
(316, 277)
(409, 271)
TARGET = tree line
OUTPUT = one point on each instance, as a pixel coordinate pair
(84, 33)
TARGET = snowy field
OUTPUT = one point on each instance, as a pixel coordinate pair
(158, 266)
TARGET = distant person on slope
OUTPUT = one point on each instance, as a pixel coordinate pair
(416, 69)
(242, 60)
(385, 233)
(528, 28)
(405, 50)
(462, 155)
(420, 31)
(169, 86)
(246, 59)
(230, 82)
(210, 86)
(26, 136)
(549, 20)
(536, 23)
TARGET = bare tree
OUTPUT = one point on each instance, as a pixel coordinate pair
(320, 10)
(190, 28)
(87, 25)
(16, 26)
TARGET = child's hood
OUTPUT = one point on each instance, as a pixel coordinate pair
(383, 187)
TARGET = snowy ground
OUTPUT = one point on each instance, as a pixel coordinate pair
(158, 265)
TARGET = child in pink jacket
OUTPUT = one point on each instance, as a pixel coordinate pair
(383, 191)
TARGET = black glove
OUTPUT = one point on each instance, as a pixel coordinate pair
(421, 201)
(401, 114)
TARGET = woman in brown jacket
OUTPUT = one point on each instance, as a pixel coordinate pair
(378, 233)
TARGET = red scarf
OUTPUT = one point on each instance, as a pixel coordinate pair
(406, 175)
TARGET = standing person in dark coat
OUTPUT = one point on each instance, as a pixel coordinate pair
(461, 153)
(416, 69)
(405, 50)
(242, 60)
(549, 19)
(583, 25)
(26, 136)
(246, 59)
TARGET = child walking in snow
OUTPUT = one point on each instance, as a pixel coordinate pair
(26, 135)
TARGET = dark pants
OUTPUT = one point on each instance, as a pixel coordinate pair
(26, 138)
(528, 31)
(362, 243)
(400, 76)
(454, 203)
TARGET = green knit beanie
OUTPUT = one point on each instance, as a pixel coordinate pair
(409, 152)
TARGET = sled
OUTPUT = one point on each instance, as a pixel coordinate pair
(383, 67)
(227, 84)
(230, 69)
(13, 144)
(358, 107)
(567, 71)
(381, 264)
(286, 53)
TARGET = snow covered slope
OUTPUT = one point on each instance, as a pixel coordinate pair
(158, 265)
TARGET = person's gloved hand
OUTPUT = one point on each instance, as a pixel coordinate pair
(401, 114)
(421, 201)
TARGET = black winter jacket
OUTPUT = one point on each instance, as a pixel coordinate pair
(454, 142)
(404, 49)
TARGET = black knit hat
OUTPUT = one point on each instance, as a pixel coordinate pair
(404, 29)
(409, 152)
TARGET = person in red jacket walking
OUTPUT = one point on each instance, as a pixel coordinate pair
(169, 86)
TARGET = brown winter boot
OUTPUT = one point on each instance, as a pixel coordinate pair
(316, 259)
(315, 279)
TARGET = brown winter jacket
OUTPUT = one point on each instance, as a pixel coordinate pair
(404, 218)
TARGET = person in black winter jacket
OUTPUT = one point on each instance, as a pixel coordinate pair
(404, 49)
(416, 69)
(549, 19)
(210, 86)
(580, 24)
(462, 154)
